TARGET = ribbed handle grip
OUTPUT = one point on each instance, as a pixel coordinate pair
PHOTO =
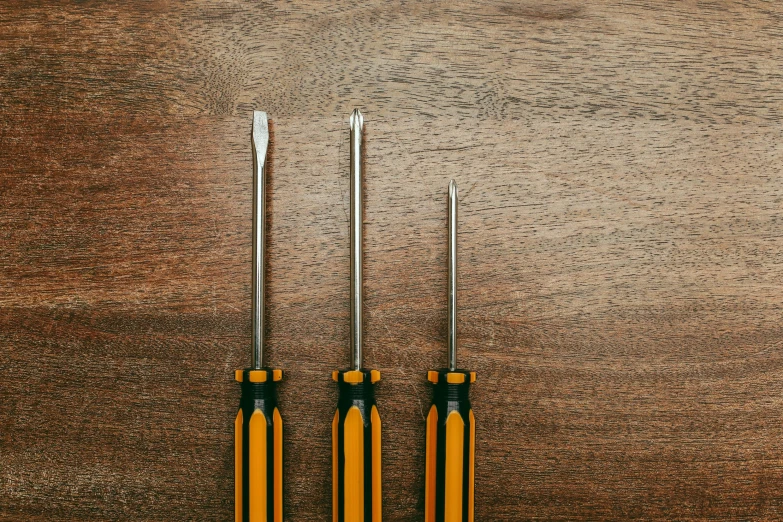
(356, 449)
(258, 450)
(451, 443)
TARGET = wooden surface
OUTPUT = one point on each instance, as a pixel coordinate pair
(621, 249)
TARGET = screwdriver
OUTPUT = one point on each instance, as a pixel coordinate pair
(356, 428)
(258, 428)
(451, 427)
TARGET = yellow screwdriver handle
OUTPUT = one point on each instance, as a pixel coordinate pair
(258, 450)
(451, 444)
(356, 449)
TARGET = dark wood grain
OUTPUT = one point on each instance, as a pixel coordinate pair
(621, 252)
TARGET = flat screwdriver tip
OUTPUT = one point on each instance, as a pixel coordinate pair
(357, 120)
(260, 136)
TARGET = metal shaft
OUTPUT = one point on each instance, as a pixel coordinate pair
(357, 125)
(260, 140)
(453, 202)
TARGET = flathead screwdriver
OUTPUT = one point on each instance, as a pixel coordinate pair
(451, 427)
(258, 428)
(356, 428)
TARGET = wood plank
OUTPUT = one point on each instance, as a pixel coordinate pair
(706, 61)
(620, 250)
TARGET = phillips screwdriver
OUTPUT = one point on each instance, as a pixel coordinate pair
(356, 428)
(451, 427)
(258, 429)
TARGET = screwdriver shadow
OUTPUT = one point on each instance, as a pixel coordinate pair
(269, 168)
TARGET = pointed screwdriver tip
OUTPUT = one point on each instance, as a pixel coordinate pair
(357, 120)
(453, 193)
